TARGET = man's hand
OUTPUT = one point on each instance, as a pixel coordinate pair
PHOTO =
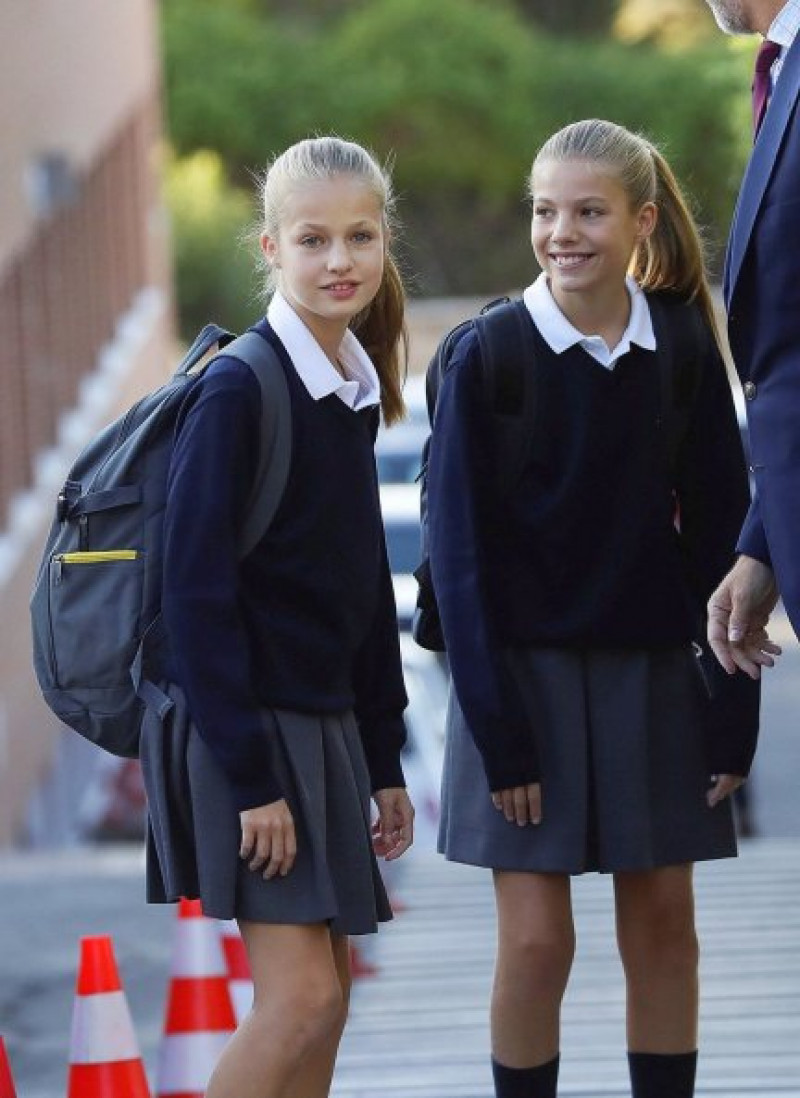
(738, 614)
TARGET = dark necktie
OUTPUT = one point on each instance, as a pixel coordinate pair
(767, 53)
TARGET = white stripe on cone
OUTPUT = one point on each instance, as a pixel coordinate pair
(198, 949)
(241, 989)
(186, 1060)
(242, 998)
(102, 1030)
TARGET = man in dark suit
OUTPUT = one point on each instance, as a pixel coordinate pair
(762, 295)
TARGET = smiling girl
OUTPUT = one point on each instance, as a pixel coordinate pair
(289, 659)
(579, 737)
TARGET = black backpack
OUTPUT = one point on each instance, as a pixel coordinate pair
(95, 611)
(508, 356)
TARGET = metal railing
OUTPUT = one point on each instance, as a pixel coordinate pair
(61, 297)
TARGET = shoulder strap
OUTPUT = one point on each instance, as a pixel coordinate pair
(680, 334)
(212, 337)
(508, 353)
(276, 435)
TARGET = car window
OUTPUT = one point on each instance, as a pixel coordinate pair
(403, 544)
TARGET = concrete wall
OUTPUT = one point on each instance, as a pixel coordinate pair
(70, 73)
(85, 299)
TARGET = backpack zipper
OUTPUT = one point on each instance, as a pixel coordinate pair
(98, 556)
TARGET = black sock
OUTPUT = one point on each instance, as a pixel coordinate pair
(536, 1082)
(654, 1075)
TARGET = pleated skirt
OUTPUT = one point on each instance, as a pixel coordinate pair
(621, 739)
(194, 832)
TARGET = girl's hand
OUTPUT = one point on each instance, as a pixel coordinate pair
(724, 785)
(393, 831)
(521, 805)
(268, 838)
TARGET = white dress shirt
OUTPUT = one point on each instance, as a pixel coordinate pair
(783, 30)
(560, 335)
(359, 390)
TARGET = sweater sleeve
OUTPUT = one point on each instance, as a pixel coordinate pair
(210, 478)
(713, 498)
(380, 695)
(461, 490)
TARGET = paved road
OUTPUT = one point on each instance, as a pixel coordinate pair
(420, 1026)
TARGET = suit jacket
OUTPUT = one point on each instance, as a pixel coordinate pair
(762, 295)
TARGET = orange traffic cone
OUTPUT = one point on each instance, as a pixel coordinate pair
(104, 1060)
(200, 1016)
(6, 1082)
(241, 981)
(359, 966)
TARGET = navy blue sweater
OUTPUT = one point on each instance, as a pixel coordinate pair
(583, 551)
(307, 621)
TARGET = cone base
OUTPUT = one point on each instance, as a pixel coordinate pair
(124, 1079)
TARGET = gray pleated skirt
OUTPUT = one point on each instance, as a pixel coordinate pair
(621, 742)
(194, 832)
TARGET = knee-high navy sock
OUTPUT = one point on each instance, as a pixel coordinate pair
(654, 1075)
(537, 1082)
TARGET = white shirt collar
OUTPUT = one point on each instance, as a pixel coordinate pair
(313, 367)
(560, 335)
(785, 25)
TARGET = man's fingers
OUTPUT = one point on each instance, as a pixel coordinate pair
(724, 785)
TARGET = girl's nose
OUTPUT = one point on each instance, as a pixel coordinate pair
(564, 228)
(339, 257)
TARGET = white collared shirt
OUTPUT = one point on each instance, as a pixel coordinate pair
(315, 370)
(783, 30)
(560, 335)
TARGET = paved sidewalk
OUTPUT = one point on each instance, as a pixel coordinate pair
(419, 1028)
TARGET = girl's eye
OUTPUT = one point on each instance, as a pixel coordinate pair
(592, 211)
(310, 241)
(541, 211)
(363, 237)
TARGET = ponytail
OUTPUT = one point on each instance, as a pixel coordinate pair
(672, 258)
(381, 329)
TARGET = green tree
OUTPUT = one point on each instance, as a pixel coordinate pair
(215, 269)
(571, 17)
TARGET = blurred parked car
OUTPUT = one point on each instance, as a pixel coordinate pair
(427, 686)
(398, 450)
(400, 507)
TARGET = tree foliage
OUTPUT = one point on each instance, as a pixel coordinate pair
(459, 94)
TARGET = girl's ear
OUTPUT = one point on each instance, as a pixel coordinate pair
(269, 246)
(647, 219)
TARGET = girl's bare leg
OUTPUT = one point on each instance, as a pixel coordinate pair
(659, 951)
(313, 1080)
(298, 1006)
(536, 945)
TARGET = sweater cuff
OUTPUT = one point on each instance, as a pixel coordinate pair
(509, 772)
(261, 790)
(383, 742)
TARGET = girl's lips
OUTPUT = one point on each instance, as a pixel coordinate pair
(341, 289)
(570, 259)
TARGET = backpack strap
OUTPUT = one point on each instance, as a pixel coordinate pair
(508, 354)
(681, 333)
(276, 435)
(212, 337)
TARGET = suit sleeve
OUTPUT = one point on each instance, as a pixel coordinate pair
(461, 489)
(210, 478)
(752, 537)
(713, 497)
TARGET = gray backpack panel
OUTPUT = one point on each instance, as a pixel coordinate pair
(95, 609)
